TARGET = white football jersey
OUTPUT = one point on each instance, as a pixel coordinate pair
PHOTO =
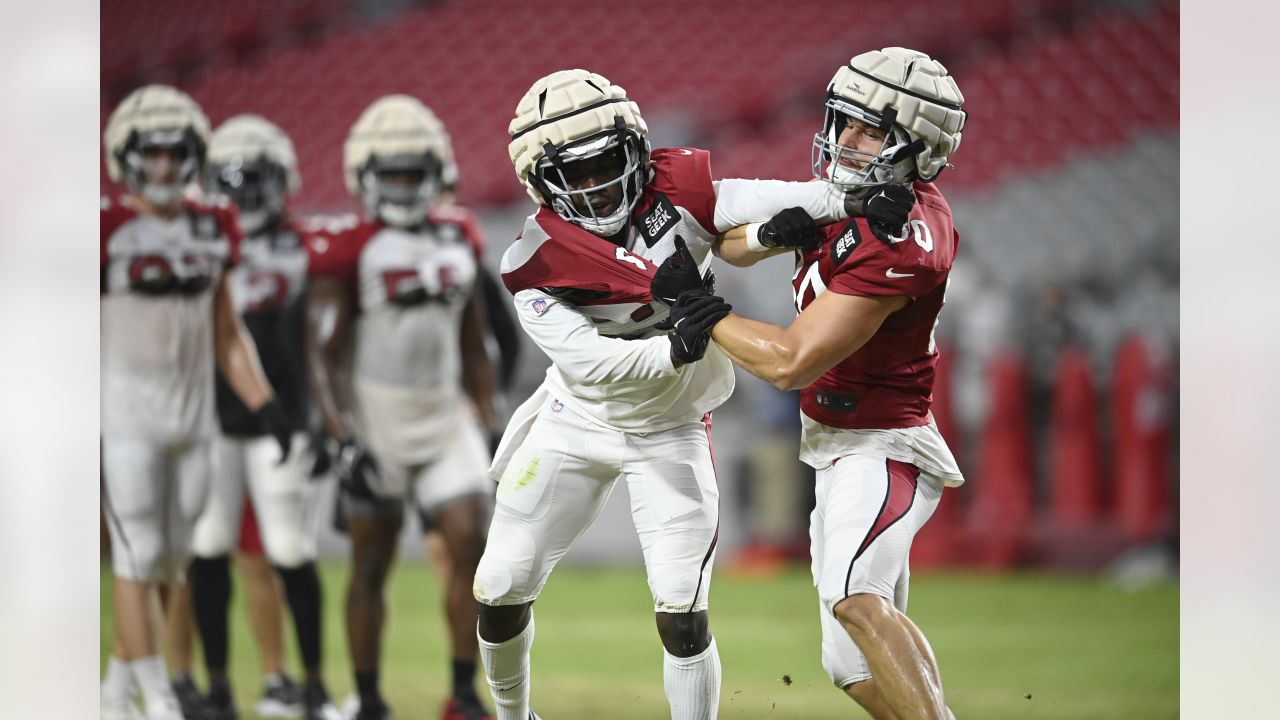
(158, 281)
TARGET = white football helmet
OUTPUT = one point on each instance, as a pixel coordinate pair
(571, 117)
(906, 94)
(252, 162)
(153, 117)
(395, 159)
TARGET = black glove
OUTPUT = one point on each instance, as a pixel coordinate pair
(886, 209)
(676, 274)
(791, 228)
(694, 313)
(356, 469)
(276, 422)
(318, 444)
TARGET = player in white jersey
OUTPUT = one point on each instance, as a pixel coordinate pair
(252, 163)
(400, 373)
(626, 395)
(167, 313)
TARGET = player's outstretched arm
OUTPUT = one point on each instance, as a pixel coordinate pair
(477, 368)
(236, 354)
(829, 330)
(330, 348)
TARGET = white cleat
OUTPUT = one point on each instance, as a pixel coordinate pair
(166, 709)
(122, 708)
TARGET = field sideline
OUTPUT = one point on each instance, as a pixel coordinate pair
(1010, 646)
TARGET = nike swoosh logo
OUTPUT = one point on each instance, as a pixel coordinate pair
(685, 152)
(678, 322)
(892, 274)
(513, 687)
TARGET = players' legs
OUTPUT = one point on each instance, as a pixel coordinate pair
(868, 510)
(675, 507)
(152, 494)
(553, 488)
(373, 526)
(285, 500)
(454, 496)
(212, 543)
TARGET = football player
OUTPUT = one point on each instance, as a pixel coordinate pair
(863, 356)
(252, 163)
(628, 393)
(167, 313)
(400, 373)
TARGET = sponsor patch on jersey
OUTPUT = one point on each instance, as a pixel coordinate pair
(660, 218)
(539, 306)
(843, 246)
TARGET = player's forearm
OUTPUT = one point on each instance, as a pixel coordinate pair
(734, 248)
(477, 368)
(329, 343)
(600, 361)
(331, 392)
(236, 354)
(763, 350)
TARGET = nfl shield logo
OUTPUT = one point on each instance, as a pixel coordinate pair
(539, 306)
(556, 406)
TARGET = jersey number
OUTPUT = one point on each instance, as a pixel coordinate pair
(811, 279)
(923, 236)
(624, 256)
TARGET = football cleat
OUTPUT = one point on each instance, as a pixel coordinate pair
(192, 704)
(464, 709)
(281, 698)
(120, 708)
(318, 704)
(220, 704)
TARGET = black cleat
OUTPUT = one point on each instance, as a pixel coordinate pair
(281, 698)
(190, 700)
(319, 706)
(220, 704)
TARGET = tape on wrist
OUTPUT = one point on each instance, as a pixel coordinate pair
(753, 238)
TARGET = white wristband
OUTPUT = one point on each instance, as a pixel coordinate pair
(753, 238)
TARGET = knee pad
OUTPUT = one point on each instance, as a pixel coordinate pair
(506, 574)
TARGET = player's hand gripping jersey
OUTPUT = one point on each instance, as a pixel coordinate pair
(158, 281)
(883, 391)
(586, 301)
(411, 289)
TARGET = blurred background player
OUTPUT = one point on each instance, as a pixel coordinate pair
(251, 162)
(862, 352)
(623, 398)
(167, 313)
(401, 375)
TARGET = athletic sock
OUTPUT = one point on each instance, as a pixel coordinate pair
(506, 668)
(367, 688)
(153, 680)
(210, 580)
(302, 592)
(117, 683)
(693, 684)
(464, 679)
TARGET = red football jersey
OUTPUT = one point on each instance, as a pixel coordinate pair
(888, 382)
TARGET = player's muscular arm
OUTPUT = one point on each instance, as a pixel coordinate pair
(829, 330)
(477, 368)
(235, 352)
(330, 348)
(731, 246)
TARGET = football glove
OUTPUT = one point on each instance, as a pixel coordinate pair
(791, 228)
(693, 315)
(886, 208)
(356, 469)
(677, 274)
(276, 422)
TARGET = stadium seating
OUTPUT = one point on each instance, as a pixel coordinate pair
(1038, 89)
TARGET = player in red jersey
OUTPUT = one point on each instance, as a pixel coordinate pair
(862, 354)
(400, 373)
(167, 313)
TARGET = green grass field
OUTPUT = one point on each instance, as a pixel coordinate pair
(1010, 646)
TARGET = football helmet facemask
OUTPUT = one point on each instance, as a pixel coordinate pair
(155, 143)
(252, 163)
(580, 147)
(906, 95)
(395, 159)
